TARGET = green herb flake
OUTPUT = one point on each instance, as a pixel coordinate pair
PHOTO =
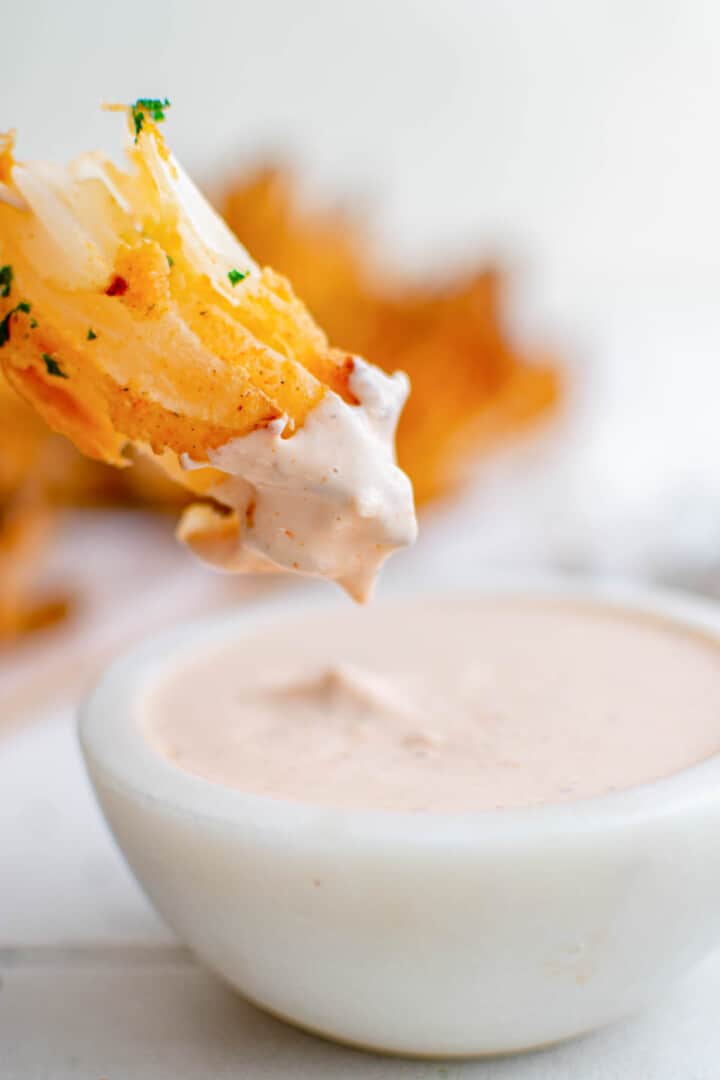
(53, 368)
(6, 277)
(152, 107)
(91, 335)
(236, 276)
(171, 261)
(33, 324)
(5, 324)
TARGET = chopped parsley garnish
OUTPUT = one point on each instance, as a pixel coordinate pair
(53, 368)
(91, 335)
(152, 107)
(6, 276)
(237, 275)
(5, 324)
(33, 324)
(171, 261)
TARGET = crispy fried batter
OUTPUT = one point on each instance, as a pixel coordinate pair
(181, 357)
(135, 319)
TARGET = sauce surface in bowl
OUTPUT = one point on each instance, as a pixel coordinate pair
(451, 705)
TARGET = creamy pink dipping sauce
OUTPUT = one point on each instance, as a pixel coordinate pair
(443, 706)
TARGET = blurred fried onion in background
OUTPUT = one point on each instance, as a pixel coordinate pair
(26, 518)
(470, 385)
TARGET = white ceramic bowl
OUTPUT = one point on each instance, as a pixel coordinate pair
(428, 935)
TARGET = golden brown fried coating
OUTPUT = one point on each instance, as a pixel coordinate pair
(134, 317)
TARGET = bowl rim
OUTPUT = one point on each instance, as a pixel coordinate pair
(116, 751)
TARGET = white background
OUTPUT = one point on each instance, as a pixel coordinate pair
(584, 132)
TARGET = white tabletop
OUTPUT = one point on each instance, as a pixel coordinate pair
(93, 985)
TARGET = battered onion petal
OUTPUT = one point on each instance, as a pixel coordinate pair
(132, 316)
